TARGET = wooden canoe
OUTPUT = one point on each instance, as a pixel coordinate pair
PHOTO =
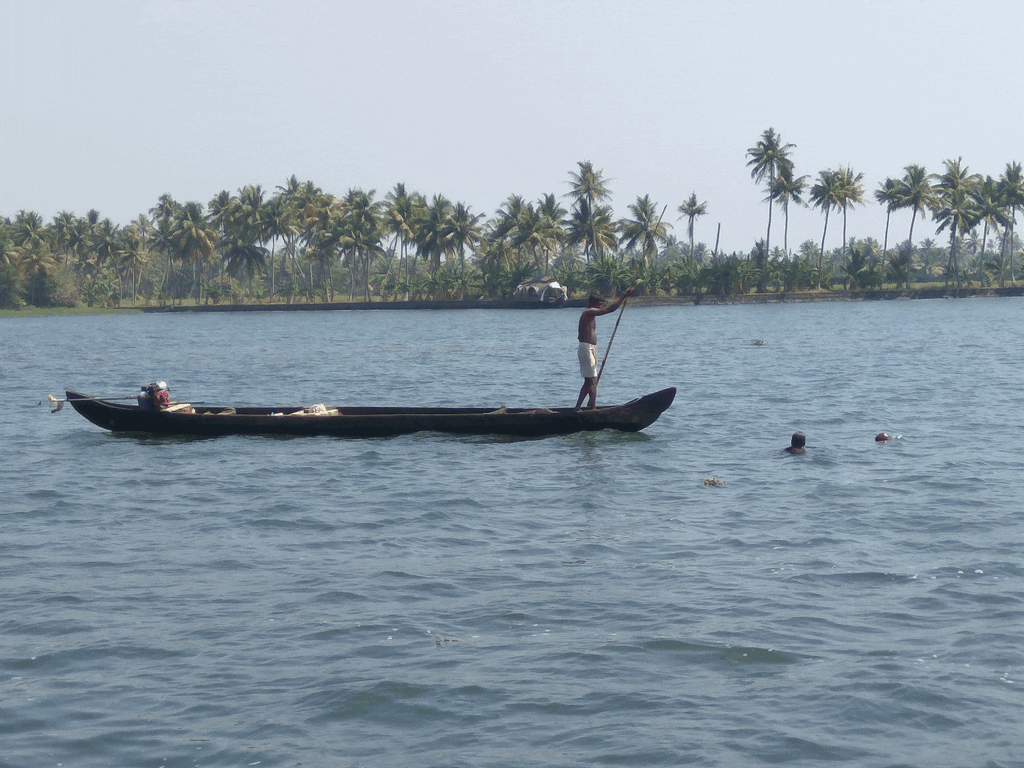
(343, 421)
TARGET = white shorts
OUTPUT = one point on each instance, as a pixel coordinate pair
(588, 360)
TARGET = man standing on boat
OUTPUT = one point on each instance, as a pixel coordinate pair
(588, 344)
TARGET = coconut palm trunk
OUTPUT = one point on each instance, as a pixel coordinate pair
(821, 251)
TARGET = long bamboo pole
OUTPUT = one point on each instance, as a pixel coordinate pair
(622, 310)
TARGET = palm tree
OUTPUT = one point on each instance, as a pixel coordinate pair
(463, 232)
(163, 243)
(312, 208)
(851, 192)
(242, 257)
(432, 231)
(501, 254)
(280, 221)
(858, 271)
(957, 176)
(79, 239)
(63, 228)
(608, 275)
(164, 214)
(194, 238)
(35, 260)
(595, 230)
(605, 230)
(826, 195)
(362, 229)
(552, 224)
(917, 194)
(220, 212)
(505, 216)
(692, 210)
(1011, 191)
(106, 244)
(889, 195)
(143, 227)
(134, 254)
(243, 230)
(933, 258)
(991, 210)
(958, 213)
(32, 248)
(528, 234)
(290, 188)
(400, 220)
(767, 158)
(166, 208)
(28, 228)
(292, 197)
(645, 229)
(249, 216)
(29, 233)
(788, 189)
(589, 190)
(956, 209)
(320, 214)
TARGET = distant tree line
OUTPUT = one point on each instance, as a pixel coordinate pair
(978, 213)
(302, 244)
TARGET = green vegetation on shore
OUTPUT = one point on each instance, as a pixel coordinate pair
(301, 244)
(28, 311)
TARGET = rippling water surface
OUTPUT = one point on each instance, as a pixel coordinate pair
(572, 601)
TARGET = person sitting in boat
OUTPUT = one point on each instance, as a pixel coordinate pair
(155, 396)
(162, 395)
(796, 444)
(587, 336)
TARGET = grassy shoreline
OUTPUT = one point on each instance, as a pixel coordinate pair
(61, 311)
(938, 292)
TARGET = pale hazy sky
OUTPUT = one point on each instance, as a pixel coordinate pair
(110, 104)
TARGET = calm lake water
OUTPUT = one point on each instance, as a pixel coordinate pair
(574, 601)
